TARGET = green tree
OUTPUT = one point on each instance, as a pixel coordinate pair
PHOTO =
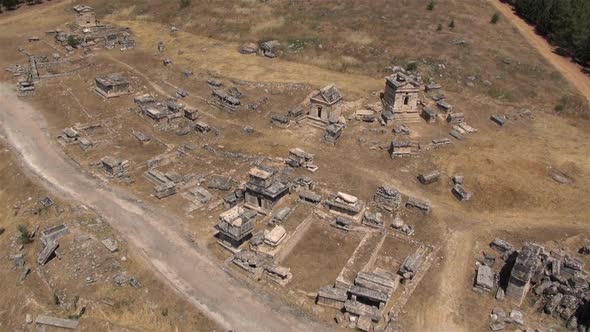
(495, 18)
(564, 23)
(452, 24)
(10, 4)
(73, 41)
(439, 27)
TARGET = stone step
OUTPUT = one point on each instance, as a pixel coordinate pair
(407, 118)
(315, 123)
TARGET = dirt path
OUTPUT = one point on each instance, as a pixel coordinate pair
(571, 71)
(187, 269)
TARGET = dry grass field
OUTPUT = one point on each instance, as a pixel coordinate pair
(349, 43)
(83, 274)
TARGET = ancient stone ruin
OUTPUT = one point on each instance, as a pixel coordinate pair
(400, 99)
(325, 104)
(113, 85)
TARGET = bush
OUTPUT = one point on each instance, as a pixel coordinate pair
(431, 5)
(411, 66)
(56, 300)
(439, 27)
(452, 24)
(25, 235)
(184, 3)
(574, 106)
(73, 41)
(495, 18)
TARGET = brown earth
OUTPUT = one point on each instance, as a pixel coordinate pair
(507, 168)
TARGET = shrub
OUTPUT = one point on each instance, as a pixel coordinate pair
(184, 3)
(165, 312)
(452, 24)
(431, 5)
(574, 106)
(73, 41)
(25, 235)
(439, 27)
(411, 66)
(56, 300)
(495, 18)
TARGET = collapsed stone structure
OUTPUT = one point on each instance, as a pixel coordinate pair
(555, 280)
(281, 121)
(261, 265)
(365, 299)
(115, 167)
(226, 100)
(526, 265)
(387, 198)
(374, 220)
(422, 206)
(403, 149)
(87, 32)
(299, 158)
(167, 115)
(164, 183)
(333, 133)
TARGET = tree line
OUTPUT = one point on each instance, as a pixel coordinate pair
(565, 23)
(13, 4)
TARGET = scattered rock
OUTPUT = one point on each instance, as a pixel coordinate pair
(517, 317)
(560, 177)
(110, 244)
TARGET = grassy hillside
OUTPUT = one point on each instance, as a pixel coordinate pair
(367, 36)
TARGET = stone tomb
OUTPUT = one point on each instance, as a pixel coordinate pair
(235, 225)
(263, 190)
(325, 104)
(113, 85)
(401, 98)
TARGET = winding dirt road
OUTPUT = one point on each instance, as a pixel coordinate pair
(187, 269)
(570, 70)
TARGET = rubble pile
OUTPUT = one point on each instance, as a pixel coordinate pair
(555, 280)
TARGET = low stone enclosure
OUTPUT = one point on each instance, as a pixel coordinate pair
(373, 284)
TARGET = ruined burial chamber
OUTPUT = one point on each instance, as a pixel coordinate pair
(264, 190)
(113, 85)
